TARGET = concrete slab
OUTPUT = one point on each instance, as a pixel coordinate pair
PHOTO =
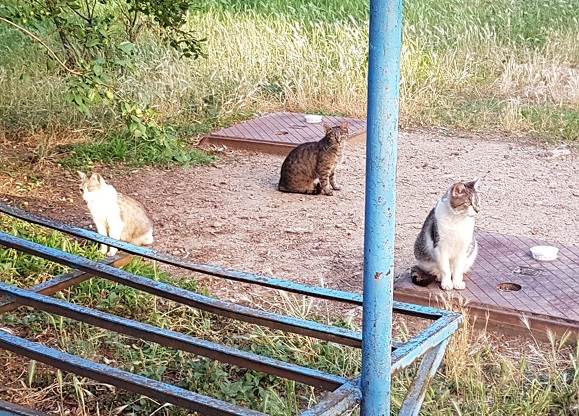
(280, 132)
(508, 290)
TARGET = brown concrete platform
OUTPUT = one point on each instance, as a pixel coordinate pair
(280, 132)
(548, 298)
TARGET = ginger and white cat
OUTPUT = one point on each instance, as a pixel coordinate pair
(446, 246)
(114, 214)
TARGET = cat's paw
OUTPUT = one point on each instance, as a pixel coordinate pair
(104, 249)
(336, 187)
(459, 285)
(328, 193)
(112, 251)
(446, 285)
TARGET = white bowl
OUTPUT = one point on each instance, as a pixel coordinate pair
(313, 118)
(544, 253)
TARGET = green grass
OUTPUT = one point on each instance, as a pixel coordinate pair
(479, 375)
(130, 152)
(223, 381)
(311, 56)
(550, 118)
(486, 375)
(25, 271)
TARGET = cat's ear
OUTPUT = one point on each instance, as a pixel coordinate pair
(82, 175)
(327, 128)
(473, 184)
(97, 177)
(345, 127)
(457, 189)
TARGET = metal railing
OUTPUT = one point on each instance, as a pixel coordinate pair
(429, 344)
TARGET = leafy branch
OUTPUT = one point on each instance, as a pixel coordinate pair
(98, 38)
(37, 39)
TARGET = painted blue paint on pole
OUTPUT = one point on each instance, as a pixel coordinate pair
(379, 231)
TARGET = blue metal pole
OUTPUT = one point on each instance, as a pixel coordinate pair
(379, 229)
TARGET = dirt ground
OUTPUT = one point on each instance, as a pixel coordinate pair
(230, 213)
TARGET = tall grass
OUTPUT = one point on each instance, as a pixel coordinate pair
(490, 374)
(481, 65)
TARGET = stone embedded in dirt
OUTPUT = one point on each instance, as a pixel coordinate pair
(298, 230)
(554, 153)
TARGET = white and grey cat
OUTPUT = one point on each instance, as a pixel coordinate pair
(446, 247)
(114, 214)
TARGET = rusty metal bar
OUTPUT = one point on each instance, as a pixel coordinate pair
(173, 339)
(321, 293)
(385, 43)
(429, 344)
(401, 357)
(178, 262)
(417, 391)
(228, 309)
(540, 326)
(64, 281)
(435, 334)
(11, 409)
(337, 402)
(166, 393)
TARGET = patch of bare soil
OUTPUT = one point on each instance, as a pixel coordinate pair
(231, 214)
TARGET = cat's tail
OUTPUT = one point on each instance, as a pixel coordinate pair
(316, 191)
(144, 240)
(421, 277)
(317, 188)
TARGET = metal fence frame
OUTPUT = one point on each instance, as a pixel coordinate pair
(345, 393)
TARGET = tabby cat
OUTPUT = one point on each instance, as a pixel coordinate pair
(446, 246)
(114, 214)
(310, 168)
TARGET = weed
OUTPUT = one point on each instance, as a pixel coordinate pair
(132, 153)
